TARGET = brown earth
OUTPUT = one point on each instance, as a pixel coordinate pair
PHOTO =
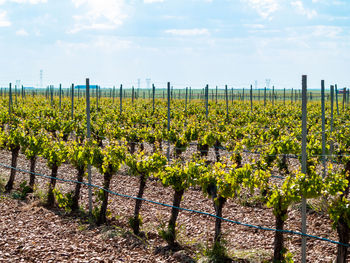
(31, 233)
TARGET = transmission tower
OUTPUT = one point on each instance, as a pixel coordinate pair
(148, 81)
(41, 78)
(138, 86)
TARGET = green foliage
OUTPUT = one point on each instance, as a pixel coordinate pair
(108, 159)
(275, 132)
(208, 138)
(24, 189)
(217, 253)
(181, 144)
(55, 153)
(294, 187)
(64, 201)
(334, 190)
(79, 155)
(11, 139)
(167, 234)
(142, 164)
(334, 183)
(310, 185)
(181, 176)
(133, 221)
(40, 194)
(339, 208)
(99, 197)
(32, 144)
(287, 257)
(229, 181)
(66, 127)
(280, 198)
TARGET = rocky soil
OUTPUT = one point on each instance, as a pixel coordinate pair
(31, 233)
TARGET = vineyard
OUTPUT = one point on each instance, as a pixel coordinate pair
(265, 165)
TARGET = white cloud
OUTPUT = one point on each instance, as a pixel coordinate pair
(22, 33)
(329, 2)
(33, 2)
(69, 46)
(105, 44)
(299, 6)
(326, 31)
(255, 26)
(188, 32)
(111, 43)
(4, 22)
(152, 1)
(173, 17)
(265, 8)
(98, 14)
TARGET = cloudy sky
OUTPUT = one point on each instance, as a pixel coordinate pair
(186, 42)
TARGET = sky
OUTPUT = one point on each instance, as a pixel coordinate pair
(185, 42)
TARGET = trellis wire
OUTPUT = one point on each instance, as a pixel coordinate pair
(180, 208)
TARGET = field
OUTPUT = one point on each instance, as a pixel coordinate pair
(232, 164)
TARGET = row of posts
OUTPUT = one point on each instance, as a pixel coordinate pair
(304, 139)
(205, 94)
(304, 131)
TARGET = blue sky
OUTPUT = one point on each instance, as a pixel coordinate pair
(186, 42)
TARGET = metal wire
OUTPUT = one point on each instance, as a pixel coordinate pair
(184, 209)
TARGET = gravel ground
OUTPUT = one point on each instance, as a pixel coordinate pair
(31, 233)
